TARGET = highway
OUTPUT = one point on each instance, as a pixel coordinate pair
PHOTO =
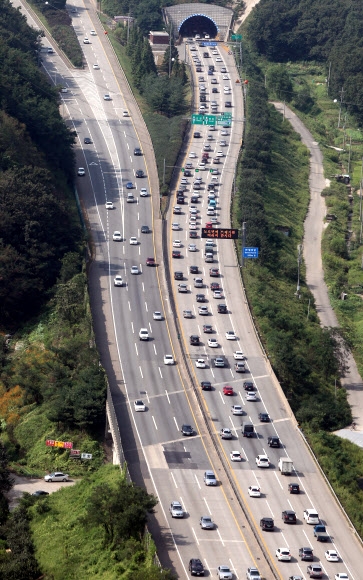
(173, 465)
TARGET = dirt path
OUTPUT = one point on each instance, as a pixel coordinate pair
(313, 231)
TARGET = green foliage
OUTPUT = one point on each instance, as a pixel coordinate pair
(272, 198)
(342, 462)
(60, 26)
(19, 561)
(70, 541)
(301, 30)
(279, 82)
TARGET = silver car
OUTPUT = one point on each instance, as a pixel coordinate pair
(176, 510)
(206, 523)
(56, 476)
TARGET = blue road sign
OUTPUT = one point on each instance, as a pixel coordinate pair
(250, 252)
(211, 43)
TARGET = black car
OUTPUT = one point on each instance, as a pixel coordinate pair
(306, 554)
(187, 173)
(206, 385)
(193, 234)
(178, 276)
(264, 417)
(289, 517)
(87, 140)
(180, 199)
(294, 488)
(137, 151)
(139, 173)
(273, 441)
(193, 269)
(222, 309)
(202, 98)
(196, 134)
(194, 199)
(248, 386)
(187, 430)
(145, 229)
(267, 524)
(205, 54)
(199, 69)
(214, 90)
(200, 298)
(228, 104)
(194, 340)
(196, 567)
(40, 493)
(176, 254)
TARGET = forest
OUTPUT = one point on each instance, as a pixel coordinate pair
(316, 30)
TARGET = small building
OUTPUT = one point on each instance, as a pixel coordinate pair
(156, 37)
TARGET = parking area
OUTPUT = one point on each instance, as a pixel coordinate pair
(30, 485)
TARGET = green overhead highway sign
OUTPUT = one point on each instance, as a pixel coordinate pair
(236, 37)
(226, 115)
(203, 119)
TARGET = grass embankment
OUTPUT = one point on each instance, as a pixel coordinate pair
(273, 192)
(342, 242)
(166, 133)
(71, 543)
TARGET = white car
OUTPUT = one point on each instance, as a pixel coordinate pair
(332, 556)
(311, 516)
(168, 359)
(93, 33)
(262, 461)
(56, 476)
(203, 310)
(143, 192)
(117, 236)
(81, 172)
(193, 210)
(192, 155)
(224, 133)
(238, 355)
(213, 343)
(219, 154)
(125, 113)
(133, 241)
(192, 226)
(225, 77)
(224, 573)
(118, 280)
(109, 205)
(218, 59)
(341, 576)
(134, 270)
(86, 41)
(144, 334)
(96, 67)
(235, 456)
(177, 244)
(236, 410)
(254, 491)
(217, 294)
(200, 363)
(283, 554)
(139, 405)
(107, 97)
(175, 226)
(215, 52)
(230, 335)
(251, 396)
(192, 248)
(157, 315)
(226, 433)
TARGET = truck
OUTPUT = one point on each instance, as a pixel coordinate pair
(285, 465)
(342, 178)
(247, 430)
(320, 533)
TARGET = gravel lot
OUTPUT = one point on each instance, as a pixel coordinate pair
(30, 485)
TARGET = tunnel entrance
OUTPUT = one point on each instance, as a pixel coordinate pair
(198, 24)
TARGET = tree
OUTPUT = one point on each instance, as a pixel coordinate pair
(20, 561)
(279, 82)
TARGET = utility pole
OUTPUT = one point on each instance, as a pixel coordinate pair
(328, 81)
(350, 153)
(164, 173)
(299, 249)
(170, 32)
(340, 108)
(243, 242)
(360, 202)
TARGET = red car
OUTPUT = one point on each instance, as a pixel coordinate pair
(214, 286)
(150, 262)
(209, 225)
(227, 390)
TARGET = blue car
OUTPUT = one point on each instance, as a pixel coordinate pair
(129, 185)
